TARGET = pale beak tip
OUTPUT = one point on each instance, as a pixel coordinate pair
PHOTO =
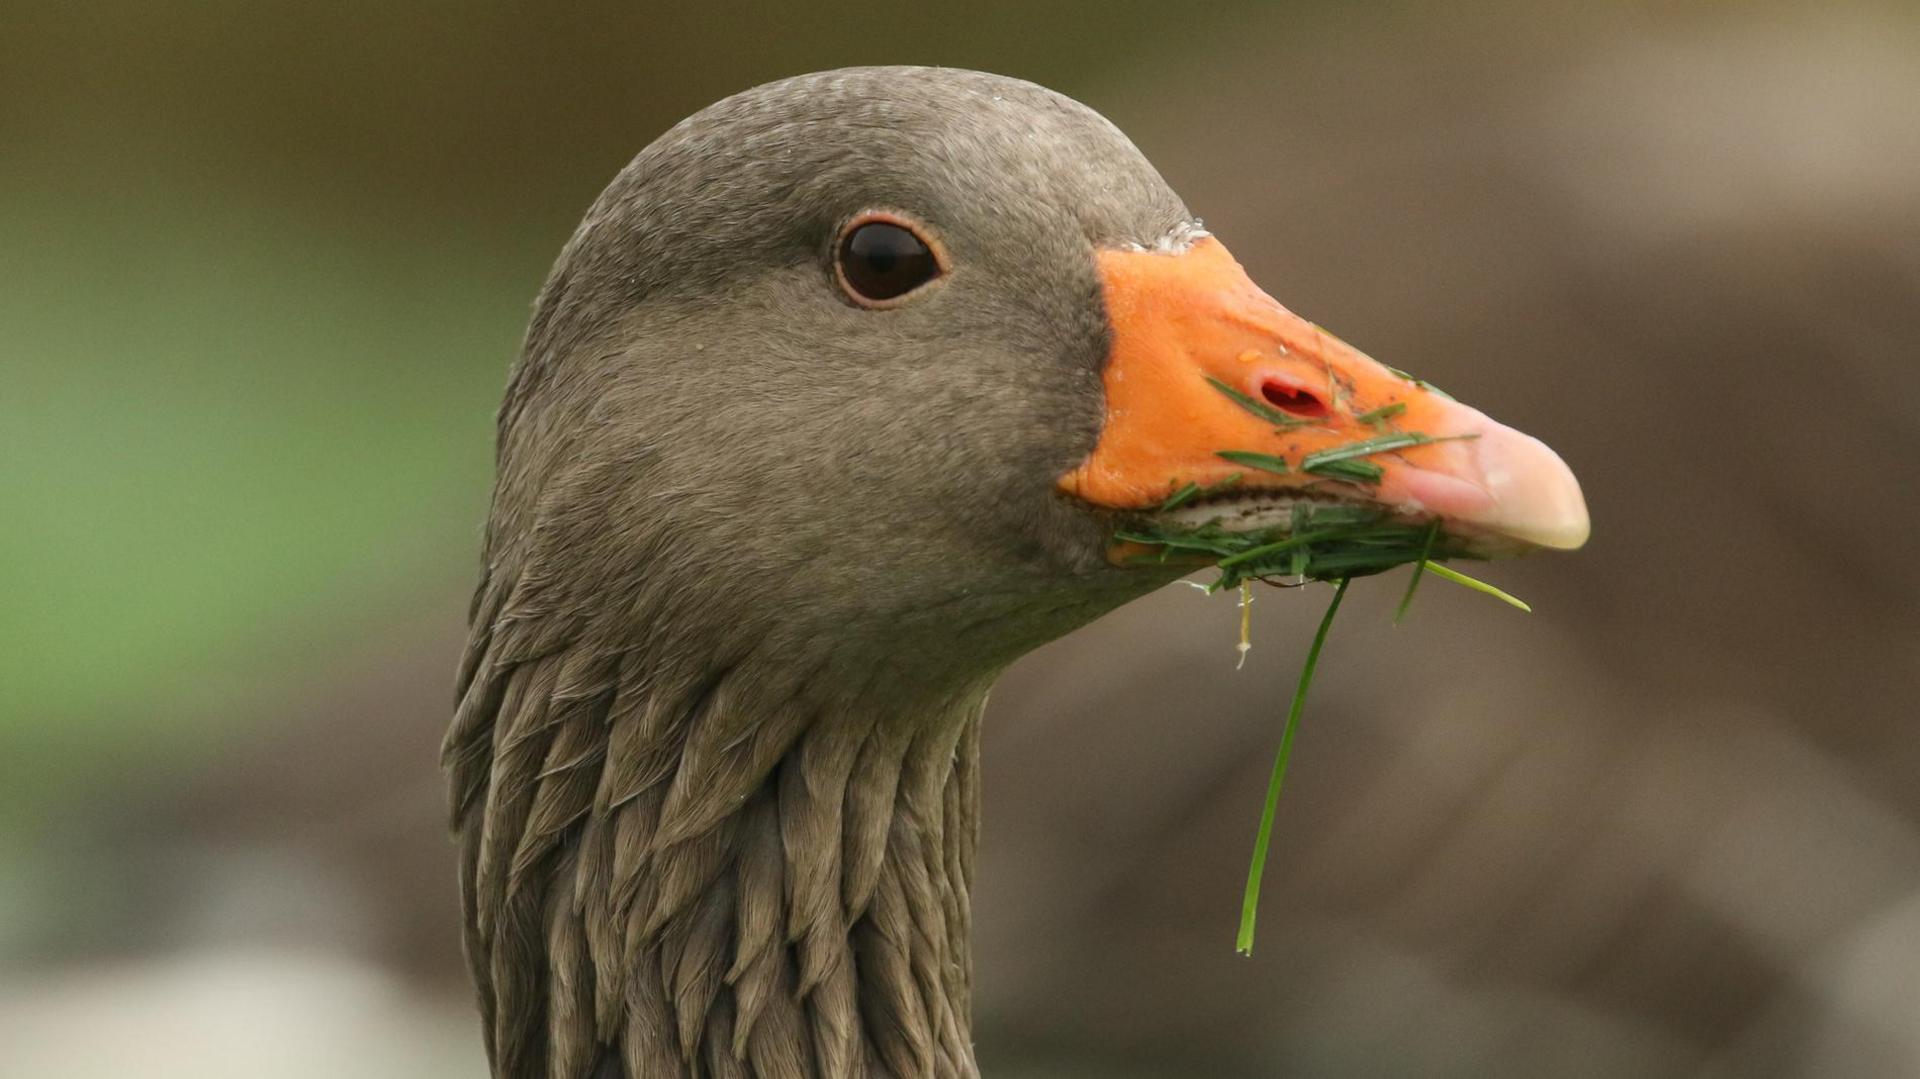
(1536, 498)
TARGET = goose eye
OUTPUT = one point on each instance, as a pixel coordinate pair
(881, 260)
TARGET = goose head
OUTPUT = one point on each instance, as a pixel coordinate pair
(828, 411)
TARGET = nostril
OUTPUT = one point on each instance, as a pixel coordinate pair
(1292, 399)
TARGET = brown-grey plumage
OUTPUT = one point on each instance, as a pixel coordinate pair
(756, 555)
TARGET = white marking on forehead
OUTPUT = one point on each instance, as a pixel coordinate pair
(1177, 239)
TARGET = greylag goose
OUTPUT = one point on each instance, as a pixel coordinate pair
(825, 415)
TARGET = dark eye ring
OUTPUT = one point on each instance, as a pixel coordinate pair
(881, 257)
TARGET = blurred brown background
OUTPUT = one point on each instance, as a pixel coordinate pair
(263, 268)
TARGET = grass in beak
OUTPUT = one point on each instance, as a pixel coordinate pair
(1321, 541)
(1457, 577)
(1259, 408)
(1367, 448)
(1265, 462)
(1193, 490)
(1250, 901)
(1422, 383)
(1419, 568)
(1382, 414)
(1343, 462)
(1359, 472)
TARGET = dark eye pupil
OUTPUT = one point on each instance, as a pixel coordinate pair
(881, 260)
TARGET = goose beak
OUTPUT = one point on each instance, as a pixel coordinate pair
(1203, 362)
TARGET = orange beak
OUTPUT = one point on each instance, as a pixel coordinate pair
(1203, 362)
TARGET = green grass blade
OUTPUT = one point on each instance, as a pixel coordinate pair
(1288, 544)
(1297, 518)
(1364, 448)
(1457, 577)
(1259, 408)
(1422, 383)
(1382, 414)
(1250, 903)
(1419, 568)
(1175, 499)
(1350, 471)
(1343, 462)
(1265, 462)
(1193, 490)
(1168, 539)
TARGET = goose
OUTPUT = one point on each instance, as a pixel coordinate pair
(828, 412)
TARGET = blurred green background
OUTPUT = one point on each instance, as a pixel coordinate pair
(263, 268)
(266, 266)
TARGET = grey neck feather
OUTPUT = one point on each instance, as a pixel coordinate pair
(754, 860)
(714, 865)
